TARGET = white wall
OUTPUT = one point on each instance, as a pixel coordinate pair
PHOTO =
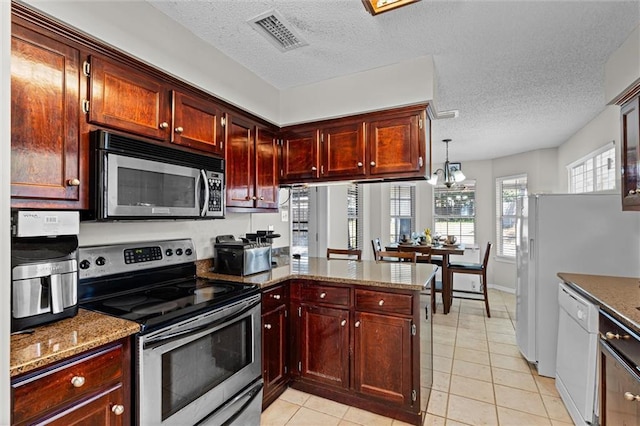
(622, 69)
(5, 153)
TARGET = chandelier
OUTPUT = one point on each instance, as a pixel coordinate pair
(451, 173)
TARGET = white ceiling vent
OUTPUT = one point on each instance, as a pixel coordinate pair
(277, 30)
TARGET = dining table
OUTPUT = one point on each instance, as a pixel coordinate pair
(440, 249)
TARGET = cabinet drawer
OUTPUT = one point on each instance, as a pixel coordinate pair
(54, 389)
(274, 297)
(324, 294)
(388, 303)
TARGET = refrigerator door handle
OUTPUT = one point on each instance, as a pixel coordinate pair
(531, 249)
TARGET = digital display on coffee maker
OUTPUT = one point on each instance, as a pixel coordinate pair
(142, 254)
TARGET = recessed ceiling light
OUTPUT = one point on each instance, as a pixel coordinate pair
(375, 7)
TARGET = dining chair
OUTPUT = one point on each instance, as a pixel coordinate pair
(396, 256)
(475, 269)
(423, 253)
(377, 247)
(344, 253)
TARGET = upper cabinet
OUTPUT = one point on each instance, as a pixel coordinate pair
(47, 170)
(123, 98)
(129, 100)
(630, 125)
(252, 164)
(382, 145)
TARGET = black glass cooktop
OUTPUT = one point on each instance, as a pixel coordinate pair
(169, 303)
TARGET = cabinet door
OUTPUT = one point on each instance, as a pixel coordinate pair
(300, 155)
(104, 409)
(240, 173)
(196, 123)
(619, 382)
(630, 124)
(395, 145)
(126, 99)
(274, 344)
(267, 169)
(343, 152)
(383, 357)
(325, 345)
(45, 104)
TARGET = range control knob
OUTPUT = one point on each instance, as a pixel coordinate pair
(188, 252)
(85, 264)
(169, 252)
(100, 261)
(179, 252)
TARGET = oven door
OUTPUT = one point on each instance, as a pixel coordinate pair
(189, 370)
(134, 187)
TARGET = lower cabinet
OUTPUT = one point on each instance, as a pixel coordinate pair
(275, 341)
(91, 388)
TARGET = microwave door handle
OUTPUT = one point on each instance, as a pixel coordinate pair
(55, 286)
(205, 182)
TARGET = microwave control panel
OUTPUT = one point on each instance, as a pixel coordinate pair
(216, 193)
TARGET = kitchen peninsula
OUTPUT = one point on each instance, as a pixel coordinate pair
(358, 332)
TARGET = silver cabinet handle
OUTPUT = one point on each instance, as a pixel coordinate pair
(359, 163)
(609, 335)
(357, 324)
(164, 125)
(276, 296)
(373, 164)
(179, 130)
(73, 182)
(117, 409)
(381, 302)
(254, 198)
(631, 397)
(343, 323)
(267, 326)
(323, 295)
(77, 381)
(314, 168)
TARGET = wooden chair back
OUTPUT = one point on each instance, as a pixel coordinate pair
(343, 252)
(423, 252)
(377, 247)
(394, 256)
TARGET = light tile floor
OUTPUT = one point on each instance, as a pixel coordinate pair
(480, 378)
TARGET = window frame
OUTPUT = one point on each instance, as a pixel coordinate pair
(394, 238)
(354, 194)
(461, 238)
(500, 216)
(591, 157)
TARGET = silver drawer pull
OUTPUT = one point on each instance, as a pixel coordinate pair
(276, 296)
(117, 409)
(381, 302)
(609, 335)
(323, 295)
(267, 326)
(77, 381)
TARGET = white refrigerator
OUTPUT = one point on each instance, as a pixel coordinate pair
(579, 233)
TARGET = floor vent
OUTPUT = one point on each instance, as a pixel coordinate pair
(277, 30)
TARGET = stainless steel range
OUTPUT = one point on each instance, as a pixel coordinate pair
(198, 356)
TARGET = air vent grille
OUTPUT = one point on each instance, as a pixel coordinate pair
(278, 31)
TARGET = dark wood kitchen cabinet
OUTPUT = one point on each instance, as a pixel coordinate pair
(47, 167)
(275, 341)
(91, 388)
(252, 165)
(380, 145)
(123, 98)
(630, 126)
(197, 123)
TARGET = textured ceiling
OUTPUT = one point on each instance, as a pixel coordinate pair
(523, 74)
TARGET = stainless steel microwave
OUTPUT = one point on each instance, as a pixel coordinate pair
(135, 179)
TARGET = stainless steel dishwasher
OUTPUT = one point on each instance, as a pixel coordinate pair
(577, 355)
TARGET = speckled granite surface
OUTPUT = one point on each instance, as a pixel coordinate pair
(376, 274)
(65, 338)
(619, 296)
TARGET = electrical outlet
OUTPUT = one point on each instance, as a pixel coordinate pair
(270, 228)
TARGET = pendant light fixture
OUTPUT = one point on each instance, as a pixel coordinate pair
(451, 175)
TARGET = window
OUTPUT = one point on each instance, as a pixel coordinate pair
(595, 172)
(354, 222)
(455, 211)
(510, 192)
(299, 221)
(402, 211)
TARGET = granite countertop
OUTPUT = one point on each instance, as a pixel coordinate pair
(62, 339)
(399, 275)
(619, 296)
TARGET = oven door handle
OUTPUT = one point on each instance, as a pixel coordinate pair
(155, 343)
(253, 394)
